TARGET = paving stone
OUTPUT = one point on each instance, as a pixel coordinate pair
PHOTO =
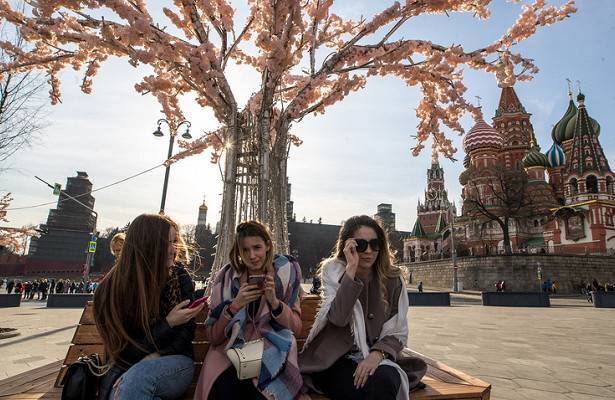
(589, 389)
(540, 385)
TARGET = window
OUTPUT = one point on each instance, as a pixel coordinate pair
(574, 186)
(591, 184)
(610, 187)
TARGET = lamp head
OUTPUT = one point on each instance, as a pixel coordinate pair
(158, 132)
(187, 134)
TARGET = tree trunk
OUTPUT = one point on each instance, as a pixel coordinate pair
(255, 185)
(228, 209)
(506, 236)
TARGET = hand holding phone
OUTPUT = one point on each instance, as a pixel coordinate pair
(256, 280)
(198, 302)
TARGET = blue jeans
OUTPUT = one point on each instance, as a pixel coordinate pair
(165, 377)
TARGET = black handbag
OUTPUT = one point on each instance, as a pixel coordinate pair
(82, 378)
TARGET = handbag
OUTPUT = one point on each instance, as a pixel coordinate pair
(82, 377)
(247, 359)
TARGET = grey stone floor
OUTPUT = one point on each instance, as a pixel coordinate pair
(563, 352)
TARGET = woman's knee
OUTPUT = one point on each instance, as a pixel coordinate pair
(386, 379)
(168, 376)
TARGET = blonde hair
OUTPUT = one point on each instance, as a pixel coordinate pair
(117, 239)
(250, 229)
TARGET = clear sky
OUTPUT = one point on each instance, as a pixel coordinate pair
(354, 157)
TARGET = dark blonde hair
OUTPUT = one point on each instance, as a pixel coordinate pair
(384, 266)
(128, 298)
(249, 229)
(118, 238)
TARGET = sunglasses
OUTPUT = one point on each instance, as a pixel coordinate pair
(362, 245)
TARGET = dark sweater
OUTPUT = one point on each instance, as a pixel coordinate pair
(167, 340)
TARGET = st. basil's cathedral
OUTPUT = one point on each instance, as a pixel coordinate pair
(572, 205)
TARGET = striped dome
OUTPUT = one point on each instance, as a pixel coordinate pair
(482, 136)
(555, 156)
(534, 158)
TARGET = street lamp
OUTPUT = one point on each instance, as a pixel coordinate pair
(172, 134)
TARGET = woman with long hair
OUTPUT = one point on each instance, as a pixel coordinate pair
(353, 350)
(254, 297)
(141, 314)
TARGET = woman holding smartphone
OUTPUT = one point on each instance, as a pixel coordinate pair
(353, 349)
(140, 312)
(255, 296)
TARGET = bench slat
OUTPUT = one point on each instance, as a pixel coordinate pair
(443, 382)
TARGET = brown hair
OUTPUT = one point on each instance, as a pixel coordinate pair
(118, 238)
(384, 266)
(244, 230)
(128, 298)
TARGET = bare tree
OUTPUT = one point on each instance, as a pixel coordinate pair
(498, 194)
(22, 99)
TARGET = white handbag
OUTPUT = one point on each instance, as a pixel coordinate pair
(247, 359)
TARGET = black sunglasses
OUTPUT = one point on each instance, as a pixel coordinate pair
(362, 244)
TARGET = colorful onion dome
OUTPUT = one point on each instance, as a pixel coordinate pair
(564, 129)
(555, 156)
(558, 133)
(534, 158)
(482, 136)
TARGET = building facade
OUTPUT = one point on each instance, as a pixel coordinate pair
(429, 233)
(63, 245)
(568, 200)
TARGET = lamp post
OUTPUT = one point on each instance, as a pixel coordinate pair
(172, 134)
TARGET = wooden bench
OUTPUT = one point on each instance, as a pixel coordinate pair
(442, 381)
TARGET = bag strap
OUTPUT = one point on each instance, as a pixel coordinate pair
(93, 363)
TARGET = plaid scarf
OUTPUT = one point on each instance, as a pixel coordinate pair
(278, 378)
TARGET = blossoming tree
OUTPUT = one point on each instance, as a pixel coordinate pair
(308, 58)
(12, 239)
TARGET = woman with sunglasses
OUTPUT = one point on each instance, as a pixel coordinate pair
(353, 349)
(254, 297)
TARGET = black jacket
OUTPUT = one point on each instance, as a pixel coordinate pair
(168, 341)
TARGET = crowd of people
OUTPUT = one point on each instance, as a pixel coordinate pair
(38, 289)
(595, 286)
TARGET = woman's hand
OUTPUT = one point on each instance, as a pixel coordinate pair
(180, 314)
(269, 288)
(247, 294)
(366, 368)
(152, 356)
(352, 258)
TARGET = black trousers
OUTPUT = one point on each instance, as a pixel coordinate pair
(337, 382)
(229, 387)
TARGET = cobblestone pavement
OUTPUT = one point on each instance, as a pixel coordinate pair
(563, 352)
(45, 334)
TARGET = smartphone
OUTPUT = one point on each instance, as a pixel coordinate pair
(198, 302)
(256, 280)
